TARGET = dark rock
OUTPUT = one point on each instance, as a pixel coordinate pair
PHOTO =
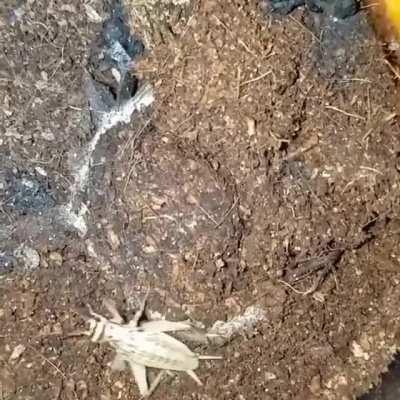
(389, 389)
(335, 8)
(27, 194)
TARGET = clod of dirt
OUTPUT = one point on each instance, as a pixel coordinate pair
(17, 352)
(334, 8)
(336, 54)
(56, 258)
(159, 21)
(389, 388)
(7, 263)
(112, 57)
(240, 325)
(26, 194)
(283, 6)
(29, 257)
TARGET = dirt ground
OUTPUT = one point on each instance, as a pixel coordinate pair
(266, 173)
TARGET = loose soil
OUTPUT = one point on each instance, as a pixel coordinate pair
(268, 165)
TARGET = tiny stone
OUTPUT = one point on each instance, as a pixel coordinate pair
(70, 387)
(17, 352)
(48, 135)
(92, 14)
(318, 296)
(279, 273)
(57, 329)
(113, 239)
(68, 8)
(358, 352)
(251, 126)
(149, 250)
(270, 376)
(56, 258)
(119, 385)
(82, 388)
(29, 257)
(41, 171)
(315, 385)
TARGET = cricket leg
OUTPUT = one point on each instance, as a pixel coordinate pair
(112, 309)
(94, 314)
(164, 326)
(139, 373)
(155, 383)
(210, 357)
(140, 311)
(193, 375)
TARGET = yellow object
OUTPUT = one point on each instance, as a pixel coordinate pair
(393, 13)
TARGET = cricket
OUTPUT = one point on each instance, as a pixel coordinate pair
(144, 345)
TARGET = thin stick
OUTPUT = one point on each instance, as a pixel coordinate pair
(48, 361)
(255, 79)
(345, 112)
(206, 213)
(227, 213)
(291, 287)
(393, 69)
(305, 28)
(309, 145)
(238, 83)
(371, 169)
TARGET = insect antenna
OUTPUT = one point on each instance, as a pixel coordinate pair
(210, 357)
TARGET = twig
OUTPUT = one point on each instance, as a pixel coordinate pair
(206, 213)
(184, 122)
(227, 213)
(305, 28)
(356, 116)
(371, 169)
(291, 287)
(393, 69)
(255, 79)
(48, 361)
(246, 47)
(309, 145)
(238, 83)
(128, 178)
(133, 139)
(313, 287)
(370, 5)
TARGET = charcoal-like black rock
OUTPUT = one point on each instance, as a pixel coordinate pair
(336, 8)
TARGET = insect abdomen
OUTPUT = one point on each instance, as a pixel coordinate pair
(157, 350)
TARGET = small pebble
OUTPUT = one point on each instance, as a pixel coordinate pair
(17, 352)
(113, 239)
(56, 258)
(28, 256)
(315, 385)
(270, 376)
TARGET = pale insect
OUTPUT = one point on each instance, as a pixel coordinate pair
(144, 345)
